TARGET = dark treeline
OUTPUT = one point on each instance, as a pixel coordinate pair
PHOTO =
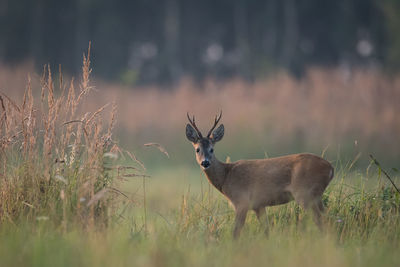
(146, 41)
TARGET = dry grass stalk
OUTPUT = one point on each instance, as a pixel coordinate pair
(69, 182)
(159, 147)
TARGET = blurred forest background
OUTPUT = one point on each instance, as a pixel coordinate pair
(290, 76)
(153, 41)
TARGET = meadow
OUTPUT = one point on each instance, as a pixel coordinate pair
(79, 187)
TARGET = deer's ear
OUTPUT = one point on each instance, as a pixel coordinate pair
(218, 134)
(191, 134)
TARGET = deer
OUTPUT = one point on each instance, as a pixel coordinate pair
(258, 183)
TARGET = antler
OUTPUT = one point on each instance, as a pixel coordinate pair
(194, 125)
(217, 118)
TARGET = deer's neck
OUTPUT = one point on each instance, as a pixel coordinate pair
(216, 173)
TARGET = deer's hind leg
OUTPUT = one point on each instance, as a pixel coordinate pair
(311, 200)
(318, 209)
(262, 218)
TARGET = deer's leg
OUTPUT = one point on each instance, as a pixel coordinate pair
(260, 212)
(263, 218)
(303, 201)
(315, 205)
(317, 209)
(239, 221)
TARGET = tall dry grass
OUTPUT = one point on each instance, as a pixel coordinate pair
(56, 161)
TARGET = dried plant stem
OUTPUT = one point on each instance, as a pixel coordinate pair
(384, 172)
(144, 204)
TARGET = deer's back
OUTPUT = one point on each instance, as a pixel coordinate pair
(275, 180)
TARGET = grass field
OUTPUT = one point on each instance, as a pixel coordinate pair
(190, 224)
(71, 196)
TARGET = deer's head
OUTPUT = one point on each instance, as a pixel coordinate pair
(204, 146)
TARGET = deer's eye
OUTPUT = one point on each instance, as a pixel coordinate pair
(211, 150)
(197, 150)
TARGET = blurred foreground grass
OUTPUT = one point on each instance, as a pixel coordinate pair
(189, 224)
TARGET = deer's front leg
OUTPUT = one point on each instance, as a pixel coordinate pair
(239, 221)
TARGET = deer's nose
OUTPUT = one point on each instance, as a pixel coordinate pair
(205, 163)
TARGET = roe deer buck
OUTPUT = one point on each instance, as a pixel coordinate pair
(255, 184)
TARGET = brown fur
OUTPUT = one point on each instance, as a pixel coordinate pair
(256, 184)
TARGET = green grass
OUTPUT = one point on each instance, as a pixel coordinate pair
(118, 248)
(188, 223)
